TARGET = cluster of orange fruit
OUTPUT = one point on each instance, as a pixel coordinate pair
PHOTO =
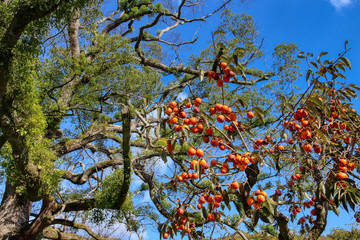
(185, 226)
(225, 75)
(226, 114)
(308, 204)
(241, 161)
(260, 198)
(303, 126)
(215, 201)
(294, 209)
(177, 113)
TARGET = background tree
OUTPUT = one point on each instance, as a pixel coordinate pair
(85, 88)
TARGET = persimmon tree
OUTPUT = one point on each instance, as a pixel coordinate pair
(85, 108)
(303, 168)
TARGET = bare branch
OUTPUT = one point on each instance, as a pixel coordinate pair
(54, 233)
(80, 226)
(83, 177)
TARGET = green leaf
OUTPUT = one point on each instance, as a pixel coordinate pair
(354, 86)
(308, 73)
(323, 54)
(351, 92)
(240, 52)
(242, 73)
(346, 62)
(259, 110)
(316, 101)
(344, 203)
(236, 60)
(163, 156)
(340, 67)
(226, 199)
(345, 94)
(204, 213)
(340, 75)
(260, 115)
(314, 64)
(225, 58)
(351, 201)
(264, 215)
(268, 204)
(335, 209)
(242, 103)
(219, 32)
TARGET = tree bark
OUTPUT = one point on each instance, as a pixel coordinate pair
(44, 219)
(14, 213)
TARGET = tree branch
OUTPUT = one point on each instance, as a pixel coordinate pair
(82, 178)
(126, 117)
(80, 226)
(54, 233)
(139, 171)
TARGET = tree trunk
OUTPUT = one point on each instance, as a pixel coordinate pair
(44, 219)
(14, 213)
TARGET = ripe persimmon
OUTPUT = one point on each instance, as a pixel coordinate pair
(170, 148)
(172, 104)
(211, 74)
(204, 164)
(192, 121)
(199, 153)
(307, 147)
(342, 175)
(232, 116)
(220, 83)
(234, 185)
(224, 170)
(210, 199)
(250, 114)
(180, 212)
(213, 163)
(178, 128)
(214, 143)
(260, 198)
(191, 151)
(223, 65)
(250, 201)
(342, 162)
(202, 199)
(264, 194)
(218, 198)
(209, 131)
(220, 118)
(173, 120)
(197, 101)
(257, 205)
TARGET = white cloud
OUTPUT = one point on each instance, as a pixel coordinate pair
(182, 96)
(341, 3)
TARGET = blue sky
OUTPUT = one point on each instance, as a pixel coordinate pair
(313, 25)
